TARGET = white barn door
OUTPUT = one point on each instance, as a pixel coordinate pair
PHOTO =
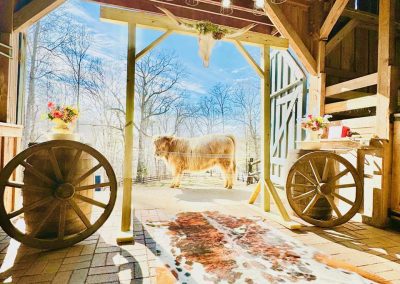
(288, 92)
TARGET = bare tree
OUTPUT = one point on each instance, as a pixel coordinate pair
(208, 114)
(221, 96)
(246, 101)
(44, 38)
(157, 78)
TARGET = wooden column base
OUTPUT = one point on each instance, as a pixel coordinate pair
(125, 238)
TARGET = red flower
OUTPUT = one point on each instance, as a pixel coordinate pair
(309, 116)
(57, 114)
(50, 104)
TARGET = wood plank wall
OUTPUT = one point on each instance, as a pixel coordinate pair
(10, 145)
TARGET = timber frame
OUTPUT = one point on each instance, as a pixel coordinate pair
(136, 19)
(317, 31)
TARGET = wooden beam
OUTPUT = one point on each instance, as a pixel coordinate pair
(287, 30)
(363, 102)
(34, 11)
(386, 56)
(365, 17)
(160, 22)
(332, 18)
(249, 58)
(7, 64)
(128, 152)
(156, 42)
(386, 98)
(341, 35)
(358, 83)
(202, 11)
(10, 130)
(266, 127)
(395, 204)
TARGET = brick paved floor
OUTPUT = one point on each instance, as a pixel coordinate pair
(99, 260)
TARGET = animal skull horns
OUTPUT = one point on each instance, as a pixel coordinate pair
(208, 34)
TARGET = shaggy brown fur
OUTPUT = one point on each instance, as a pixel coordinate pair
(198, 154)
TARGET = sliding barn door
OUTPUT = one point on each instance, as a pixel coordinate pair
(288, 91)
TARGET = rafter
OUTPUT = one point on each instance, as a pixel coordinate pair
(287, 30)
(161, 22)
(34, 11)
(210, 11)
(332, 18)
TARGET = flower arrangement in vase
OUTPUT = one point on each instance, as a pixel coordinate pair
(314, 126)
(64, 118)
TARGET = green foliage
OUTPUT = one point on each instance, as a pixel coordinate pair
(206, 27)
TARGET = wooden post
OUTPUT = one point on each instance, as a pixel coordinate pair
(266, 125)
(128, 152)
(316, 102)
(385, 108)
(7, 75)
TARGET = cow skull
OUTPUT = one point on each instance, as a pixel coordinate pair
(206, 39)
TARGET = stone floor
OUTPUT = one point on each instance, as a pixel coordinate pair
(99, 259)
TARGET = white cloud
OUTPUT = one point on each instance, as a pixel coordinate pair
(193, 87)
(240, 69)
(75, 9)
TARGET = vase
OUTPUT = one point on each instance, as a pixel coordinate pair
(62, 131)
(62, 127)
(313, 135)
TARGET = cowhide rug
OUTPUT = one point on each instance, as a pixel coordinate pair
(209, 247)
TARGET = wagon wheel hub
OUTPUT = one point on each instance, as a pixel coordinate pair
(64, 191)
(324, 189)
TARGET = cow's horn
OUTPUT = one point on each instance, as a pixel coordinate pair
(241, 31)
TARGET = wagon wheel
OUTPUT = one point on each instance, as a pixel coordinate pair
(62, 191)
(312, 180)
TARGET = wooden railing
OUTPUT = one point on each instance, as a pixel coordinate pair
(10, 145)
(354, 100)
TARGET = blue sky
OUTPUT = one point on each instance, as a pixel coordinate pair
(227, 65)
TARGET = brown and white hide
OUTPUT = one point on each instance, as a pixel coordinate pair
(198, 154)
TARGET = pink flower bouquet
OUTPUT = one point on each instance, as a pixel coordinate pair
(62, 116)
(315, 123)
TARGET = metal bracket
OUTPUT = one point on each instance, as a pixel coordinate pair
(10, 51)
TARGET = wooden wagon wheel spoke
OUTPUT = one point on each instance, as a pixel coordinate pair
(73, 164)
(91, 186)
(311, 204)
(27, 187)
(79, 212)
(38, 174)
(304, 195)
(315, 171)
(91, 201)
(303, 185)
(343, 198)
(88, 173)
(326, 170)
(333, 205)
(306, 177)
(47, 215)
(347, 185)
(55, 165)
(30, 207)
(61, 222)
(338, 176)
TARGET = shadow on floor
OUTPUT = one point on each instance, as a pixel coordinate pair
(361, 237)
(91, 261)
